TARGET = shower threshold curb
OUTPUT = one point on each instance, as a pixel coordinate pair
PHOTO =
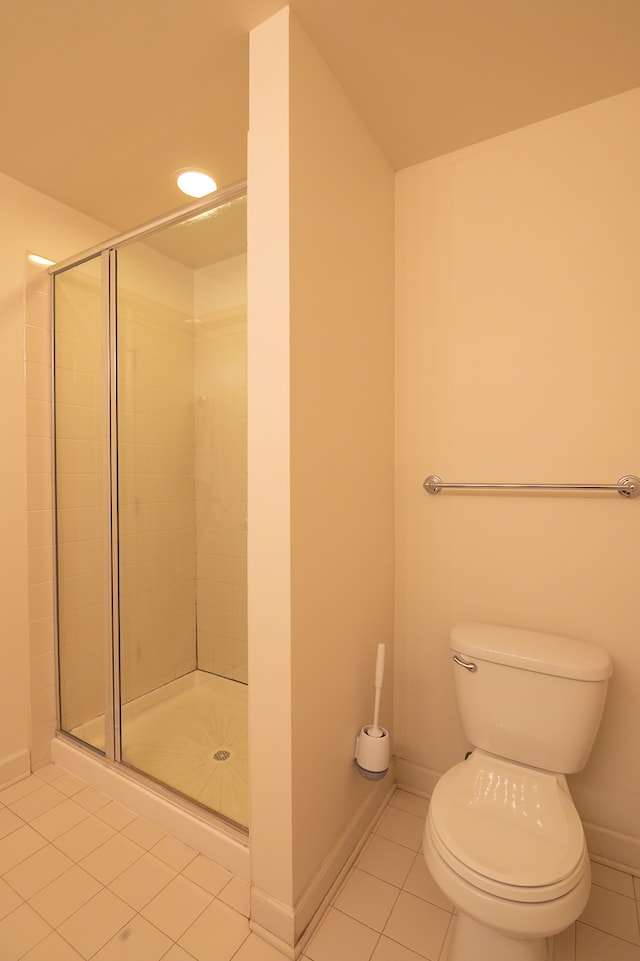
(219, 842)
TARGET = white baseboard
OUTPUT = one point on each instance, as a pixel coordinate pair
(618, 851)
(336, 865)
(291, 930)
(226, 847)
(414, 778)
(273, 921)
(15, 767)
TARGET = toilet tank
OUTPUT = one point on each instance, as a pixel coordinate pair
(533, 698)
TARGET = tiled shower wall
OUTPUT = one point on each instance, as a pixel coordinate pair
(156, 495)
(221, 492)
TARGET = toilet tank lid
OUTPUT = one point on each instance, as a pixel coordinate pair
(531, 651)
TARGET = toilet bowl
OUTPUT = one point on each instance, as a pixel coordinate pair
(506, 846)
(503, 839)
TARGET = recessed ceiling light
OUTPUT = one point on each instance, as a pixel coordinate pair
(196, 183)
(40, 261)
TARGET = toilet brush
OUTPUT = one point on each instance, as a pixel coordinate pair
(372, 744)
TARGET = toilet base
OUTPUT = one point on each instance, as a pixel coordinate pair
(472, 941)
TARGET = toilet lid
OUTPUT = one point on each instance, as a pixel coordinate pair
(508, 823)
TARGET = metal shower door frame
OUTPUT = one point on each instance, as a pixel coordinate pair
(108, 253)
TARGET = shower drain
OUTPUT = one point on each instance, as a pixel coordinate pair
(221, 755)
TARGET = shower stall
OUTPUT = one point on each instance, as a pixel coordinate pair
(150, 391)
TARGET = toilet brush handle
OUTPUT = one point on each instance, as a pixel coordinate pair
(374, 730)
(380, 666)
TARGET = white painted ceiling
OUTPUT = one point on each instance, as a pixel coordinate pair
(101, 101)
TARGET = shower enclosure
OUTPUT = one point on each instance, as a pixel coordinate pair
(149, 336)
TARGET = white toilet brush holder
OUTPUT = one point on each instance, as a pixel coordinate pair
(372, 753)
(373, 750)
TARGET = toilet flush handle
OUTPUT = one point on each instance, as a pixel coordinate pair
(468, 665)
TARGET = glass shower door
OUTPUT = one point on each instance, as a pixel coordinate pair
(150, 384)
(181, 361)
(82, 503)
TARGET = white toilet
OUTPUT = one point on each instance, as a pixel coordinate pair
(503, 839)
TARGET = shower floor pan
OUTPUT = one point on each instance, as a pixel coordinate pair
(191, 735)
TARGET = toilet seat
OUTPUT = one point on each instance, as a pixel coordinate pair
(509, 830)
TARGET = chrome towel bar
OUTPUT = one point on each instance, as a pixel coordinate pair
(628, 486)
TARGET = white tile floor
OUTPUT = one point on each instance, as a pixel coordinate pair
(83, 878)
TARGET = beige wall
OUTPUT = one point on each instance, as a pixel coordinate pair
(268, 483)
(320, 453)
(341, 356)
(517, 360)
